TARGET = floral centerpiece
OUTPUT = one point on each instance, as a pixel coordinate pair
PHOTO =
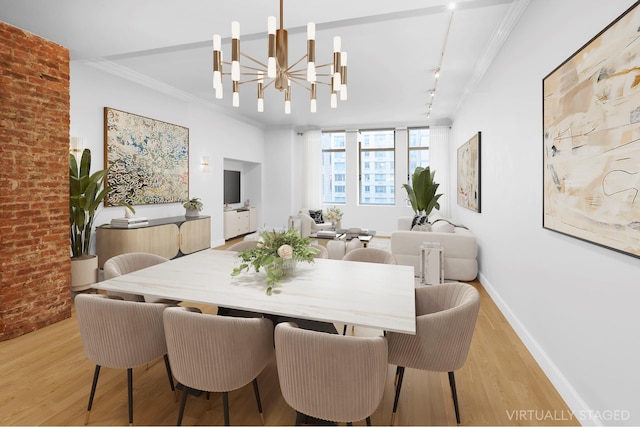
(277, 253)
(334, 214)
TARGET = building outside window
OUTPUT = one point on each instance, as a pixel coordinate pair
(419, 139)
(378, 145)
(333, 167)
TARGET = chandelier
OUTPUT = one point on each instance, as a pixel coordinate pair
(277, 72)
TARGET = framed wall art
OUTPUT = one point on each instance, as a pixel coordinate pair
(469, 174)
(147, 159)
(591, 139)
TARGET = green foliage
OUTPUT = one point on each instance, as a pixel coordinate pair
(85, 195)
(271, 253)
(422, 193)
(194, 203)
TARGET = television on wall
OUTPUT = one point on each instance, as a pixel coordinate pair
(231, 186)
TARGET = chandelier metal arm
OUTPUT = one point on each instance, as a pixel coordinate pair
(262, 64)
(295, 80)
(296, 63)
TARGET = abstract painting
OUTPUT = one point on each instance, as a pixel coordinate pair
(147, 160)
(591, 140)
(469, 174)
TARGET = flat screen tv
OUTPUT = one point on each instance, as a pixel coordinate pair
(231, 186)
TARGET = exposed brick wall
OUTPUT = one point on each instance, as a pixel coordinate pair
(34, 176)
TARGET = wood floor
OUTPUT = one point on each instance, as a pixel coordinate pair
(45, 379)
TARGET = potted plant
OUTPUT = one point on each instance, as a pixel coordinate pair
(193, 207)
(277, 253)
(422, 194)
(85, 195)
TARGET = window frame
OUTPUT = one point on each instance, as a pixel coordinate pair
(419, 148)
(361, 150)
(334, 150)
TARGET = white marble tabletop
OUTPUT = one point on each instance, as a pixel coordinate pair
(363, 294)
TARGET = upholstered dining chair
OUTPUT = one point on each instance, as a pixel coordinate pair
(322, 251)
(374, 255)
(378, 256)
(216, 353)
(446, 316)
(120, 334)
(243, 245)
(330, 377)
(128, 263)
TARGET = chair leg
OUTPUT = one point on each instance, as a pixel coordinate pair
(368, 421)
(344, 330)
(166, 364)
(130, 389)
(400, 371)
(257, 393)
(454, 394)
(225, 404)
(93, 392)
(183, 403)
(300, 418)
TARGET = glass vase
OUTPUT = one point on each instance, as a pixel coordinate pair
(288, 267)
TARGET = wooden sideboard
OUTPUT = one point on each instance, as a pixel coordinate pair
(240, 221)
(167, 237)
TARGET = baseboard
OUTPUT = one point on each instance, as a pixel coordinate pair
(216, 243)
(559, 381)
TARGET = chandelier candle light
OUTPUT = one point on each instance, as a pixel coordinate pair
(277, 68)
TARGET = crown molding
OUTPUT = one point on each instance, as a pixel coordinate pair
(146, 81)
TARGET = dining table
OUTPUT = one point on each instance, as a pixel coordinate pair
(380, 296)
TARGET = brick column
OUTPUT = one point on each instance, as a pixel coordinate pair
(34, 177)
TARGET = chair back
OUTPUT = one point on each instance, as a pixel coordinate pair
(370, 255)
(130, 262)
(120, 334)
(322, 251)
(216, 353)
(243, 245)
(446, 316)
(331, 377)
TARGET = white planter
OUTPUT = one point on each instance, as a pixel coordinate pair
(84, 273)
(192, 212)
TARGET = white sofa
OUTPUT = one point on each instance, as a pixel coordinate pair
(459, 246)
(308, 226)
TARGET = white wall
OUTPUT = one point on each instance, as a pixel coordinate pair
(211, 134)
(282, 178)
(573, 303)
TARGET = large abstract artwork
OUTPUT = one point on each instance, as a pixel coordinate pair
(148, 160)
(469, 174)
(591, 155)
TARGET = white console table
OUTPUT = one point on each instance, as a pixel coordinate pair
(240, 221)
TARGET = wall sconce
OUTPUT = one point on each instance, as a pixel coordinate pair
(205, 164)
(76, 146)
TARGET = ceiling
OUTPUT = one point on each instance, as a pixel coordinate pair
(393, 48)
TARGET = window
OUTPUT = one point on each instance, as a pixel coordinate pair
(419, 139)
(333, 167)
(378, 145)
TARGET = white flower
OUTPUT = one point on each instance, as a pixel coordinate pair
(285, 251)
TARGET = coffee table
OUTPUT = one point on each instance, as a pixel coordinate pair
(364, 236)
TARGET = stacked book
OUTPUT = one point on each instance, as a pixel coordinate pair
(129, 222)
